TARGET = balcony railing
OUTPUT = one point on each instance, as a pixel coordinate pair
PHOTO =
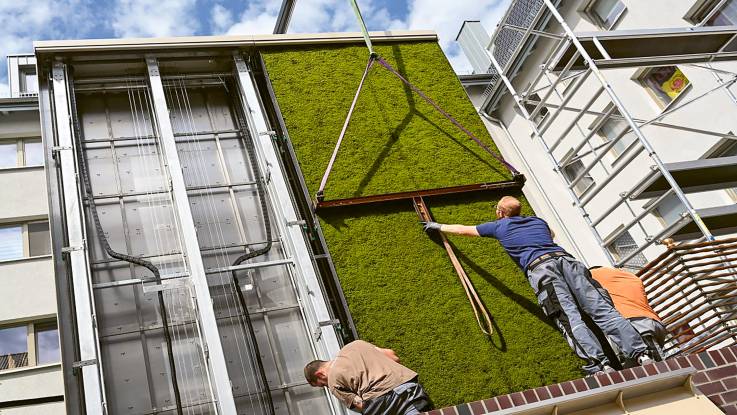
(693, 288)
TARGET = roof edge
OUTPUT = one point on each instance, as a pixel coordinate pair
(50, 46)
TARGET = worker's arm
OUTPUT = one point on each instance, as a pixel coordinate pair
(389, 353)
(459, 230)
(452, 229)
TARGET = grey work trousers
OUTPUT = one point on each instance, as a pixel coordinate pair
(564, 289)
(648, 326)
(408, 398)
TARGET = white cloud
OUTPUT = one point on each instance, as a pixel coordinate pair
(446, 18)
(221, 18)
(4, 88)
(157, 18)
(443, 16)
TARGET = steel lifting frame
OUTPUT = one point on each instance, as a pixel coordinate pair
(319, 322)
(590, 66)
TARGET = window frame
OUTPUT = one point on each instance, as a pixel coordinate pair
(579, 192)
(32, 327)
(26, 239)
(643, 73)
(703, 10)
(718, 150)
(599, 122)
(594, 17)
(20, 149)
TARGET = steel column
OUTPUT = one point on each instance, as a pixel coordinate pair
(217, 367)
(89, 350)
(326, 340)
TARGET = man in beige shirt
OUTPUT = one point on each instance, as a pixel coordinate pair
(370, 380)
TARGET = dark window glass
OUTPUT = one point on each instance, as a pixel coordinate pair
(39, 238)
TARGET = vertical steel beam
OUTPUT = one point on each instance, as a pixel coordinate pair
(77, 250)
(326, 339)
(628, 118)
(217, 367)
(284, 17)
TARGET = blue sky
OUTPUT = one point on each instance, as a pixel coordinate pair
(22, 21)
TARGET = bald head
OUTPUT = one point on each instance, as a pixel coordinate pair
(508, 206)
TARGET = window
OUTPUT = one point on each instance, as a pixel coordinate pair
(28, 81)
(611, 129)
(530, 106)
(727, 149)
(31, 344)
(664, 84)
(669, 210)
(622, 247)
(13, 347)
(47, 343)
(24, 240)
(707, 13)
(22, 152)
(572, 170)
(605, 13)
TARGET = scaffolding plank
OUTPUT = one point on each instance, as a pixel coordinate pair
(636, 48)
(721, 220)
(693, 176)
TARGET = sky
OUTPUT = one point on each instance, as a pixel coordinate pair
(22, 22)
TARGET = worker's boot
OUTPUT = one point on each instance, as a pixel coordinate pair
(644, 359)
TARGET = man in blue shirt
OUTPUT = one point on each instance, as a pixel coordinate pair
(563, 286)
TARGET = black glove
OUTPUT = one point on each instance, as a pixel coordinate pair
(431, 226)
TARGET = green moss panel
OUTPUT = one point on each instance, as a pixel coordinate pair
(400, 286)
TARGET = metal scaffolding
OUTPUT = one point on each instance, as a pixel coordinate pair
(576, 60)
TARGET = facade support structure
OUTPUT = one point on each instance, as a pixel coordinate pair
(208, 324)
(317, 316)
(77, 249)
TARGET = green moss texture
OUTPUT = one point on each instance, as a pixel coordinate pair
(395, 140)
(399, 283)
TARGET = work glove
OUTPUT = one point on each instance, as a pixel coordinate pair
(431, 226)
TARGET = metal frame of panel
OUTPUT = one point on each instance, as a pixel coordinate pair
(77, 249)
(190, 243)
(319, 321)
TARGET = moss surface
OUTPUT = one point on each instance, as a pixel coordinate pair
(395, 140)
(401, 288)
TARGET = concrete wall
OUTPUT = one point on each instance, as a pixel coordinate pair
(24, 190)
(32, 382)
(29, 292)
(715, 112)
(28, 289)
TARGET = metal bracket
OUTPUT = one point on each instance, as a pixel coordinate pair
(68, 249)
(318, 332)
(82, 363)
(296, 222)
(57, 149)
(165, 285)
(271, 133)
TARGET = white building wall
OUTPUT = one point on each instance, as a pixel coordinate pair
(716, 112)
(28, 289)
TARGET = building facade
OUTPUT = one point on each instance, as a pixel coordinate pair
(30, 361)
(578, 129)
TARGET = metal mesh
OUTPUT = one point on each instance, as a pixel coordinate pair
(506, 42)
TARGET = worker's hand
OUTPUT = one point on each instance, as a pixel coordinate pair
(431, 226)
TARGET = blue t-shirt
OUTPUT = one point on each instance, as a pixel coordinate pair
(525, 238)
